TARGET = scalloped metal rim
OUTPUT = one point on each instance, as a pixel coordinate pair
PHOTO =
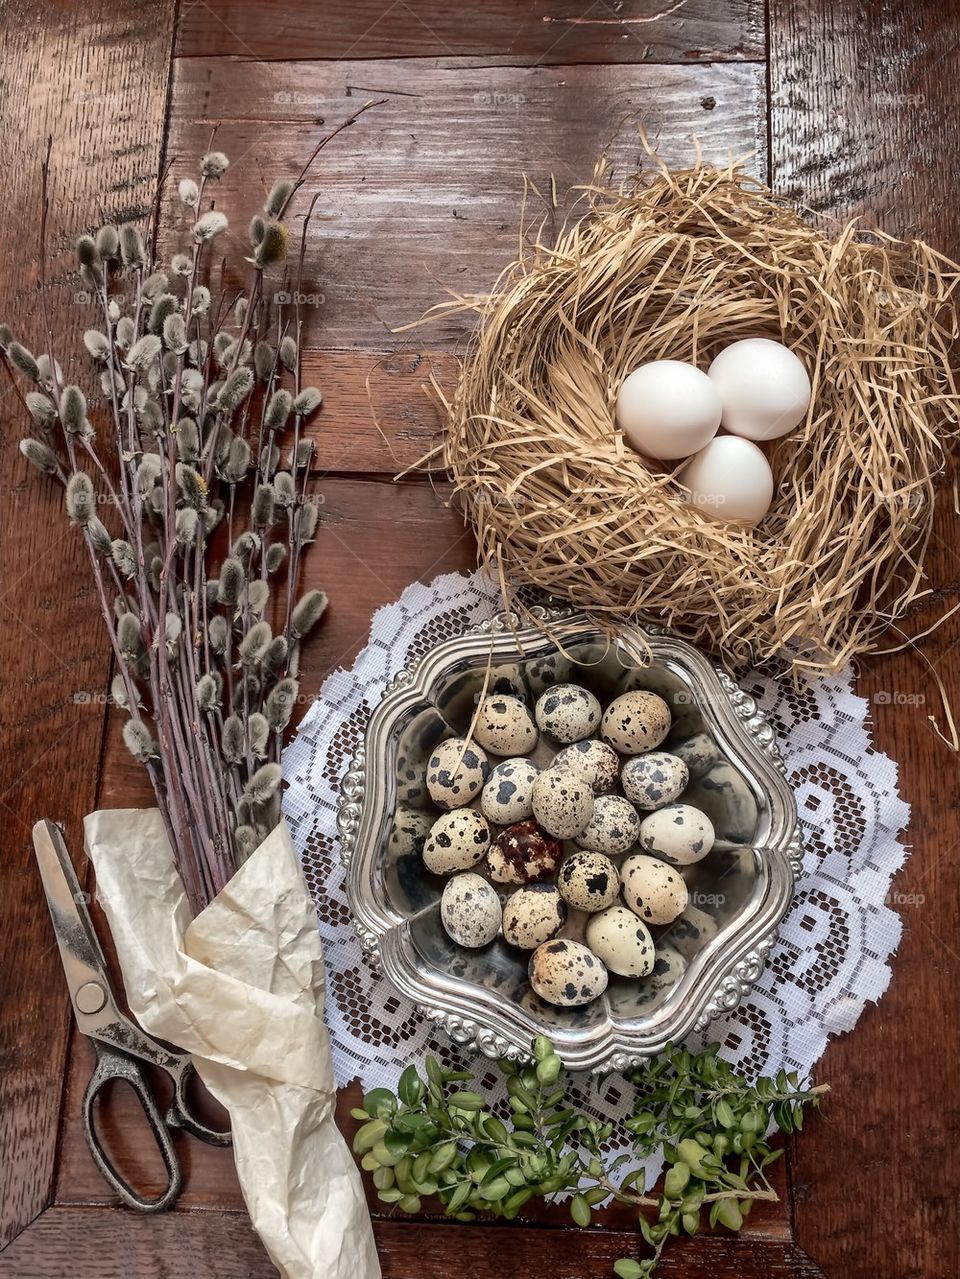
(725, 971)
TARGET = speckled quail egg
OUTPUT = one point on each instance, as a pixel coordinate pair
(679, 834)
(588, 881)
(654, 779)
(523, 853)
(668, 967)
(562, 802)
(453, 782)
(545, 672)
(567, 713)
(505, 726)
(613, 828)
(470, 910)
(566, 973)
(698, 752)
(457, 841)
(652, 889)
(622, 941)
(533, 915)
(635, 722)
(693, 930)
(409, 832)
(592, 759)
(508, 794)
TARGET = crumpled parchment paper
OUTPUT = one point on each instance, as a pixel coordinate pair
(241, 988)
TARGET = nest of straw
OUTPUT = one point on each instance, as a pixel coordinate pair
(678, 266)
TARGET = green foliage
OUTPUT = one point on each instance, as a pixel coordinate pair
(436, 1137)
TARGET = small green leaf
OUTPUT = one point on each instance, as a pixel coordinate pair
(380, 1102)
(627, 1268)
(367, 1137)
(410, 1088)
(466, 1101)
(729, 1214)
(725, 1116)
(580, 1210)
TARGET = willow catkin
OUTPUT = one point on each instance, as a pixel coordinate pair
(678, 266)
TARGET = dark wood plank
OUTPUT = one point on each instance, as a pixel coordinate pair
(113, 1244)
(542, 32)
(863, 117)
(95, 78)
(422, 199)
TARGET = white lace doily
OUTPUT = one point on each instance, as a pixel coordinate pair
(834, 946)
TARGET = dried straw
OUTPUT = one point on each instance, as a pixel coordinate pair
(678, 265)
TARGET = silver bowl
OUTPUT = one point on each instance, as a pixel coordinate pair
(706, 961)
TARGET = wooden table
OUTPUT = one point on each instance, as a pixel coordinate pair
(845, 107)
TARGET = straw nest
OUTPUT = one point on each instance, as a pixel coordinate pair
(678, 266)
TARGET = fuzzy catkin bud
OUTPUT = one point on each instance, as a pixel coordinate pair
(235, 390)
(278, 410)
(245, 547)
(99, 536)
(308, 401)
(258, 733)
(288, 353)
(263, 784)
(22, 359)
(192, 486)
(276, 555)
(273, 247)
(231, 742)
(188, 440)
(263, 361)
(144, 352)
(130, 637)
(231, 581)
(307, 519)
(256, 596)
(189, 192)
(139, 741)
(73, 409)
(214, 164)
(307, 613)
(276, 654)
(263, 503)
(200, 303)
(175, 333)
(97, 344)
(254, 645)
(42, 408)
(217, 629)
(211, 224)
(284, 490)
(245, 843)
(187, 522)
(165, 305)
(279, 195)
(280, 704)
(207, 693)
(39, 455)
(154, 286)
(305, 452)
(131, 247)
(238, 460)
(81, 500)
(123, 558)
(108, 242)
(87, 251)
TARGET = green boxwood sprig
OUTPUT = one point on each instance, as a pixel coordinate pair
(433, 1137)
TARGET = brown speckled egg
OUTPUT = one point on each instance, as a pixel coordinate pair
(505, 726)
(566, 973)
(523, 853)
(470, 911)
(654, 779)
(635, 722)
(613, 828)
(457, 841)
(589, 881)
(592, 759)
(453, 782)
(409, 832)
(652, 889)
(562, 802)
(533, 915)
(679, 834)
(622, 940)
(508, 795)
(567, 713)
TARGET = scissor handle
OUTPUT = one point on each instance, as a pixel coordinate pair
(180, 1113)
(113, 1065)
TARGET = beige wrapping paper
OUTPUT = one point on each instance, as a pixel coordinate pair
(241, 988)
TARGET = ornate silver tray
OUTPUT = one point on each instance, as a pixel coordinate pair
(706, 961)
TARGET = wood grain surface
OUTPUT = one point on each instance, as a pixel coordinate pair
(848, 109)
(94, 78)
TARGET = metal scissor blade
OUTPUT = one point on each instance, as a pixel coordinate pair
(80, 951)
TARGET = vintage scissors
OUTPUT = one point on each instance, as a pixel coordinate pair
(121, 1045)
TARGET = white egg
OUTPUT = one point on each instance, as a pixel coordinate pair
(470, 911)
(679, 834)
(668, 409)
(622, 941)
(763, 387)
(730, 479)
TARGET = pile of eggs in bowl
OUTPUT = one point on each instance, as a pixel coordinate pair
(755, 389)
(599, 834)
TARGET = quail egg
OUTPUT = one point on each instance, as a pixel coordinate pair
(508, 793)
(635, 722)
(566, 973)
(654, 779)
(470, 911)
(533, 915)
(668, 967)
(457, 841)
(613, 828)
(622, 941)
(679, 834)
(652, 889)
(523, 853)
(546, 672)
(409, 832)
(589, 881)
(693, 930)
(562, 802)
(698, 752)
(454, 781)
(567, 713)
(592, 759)
(505, 726)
